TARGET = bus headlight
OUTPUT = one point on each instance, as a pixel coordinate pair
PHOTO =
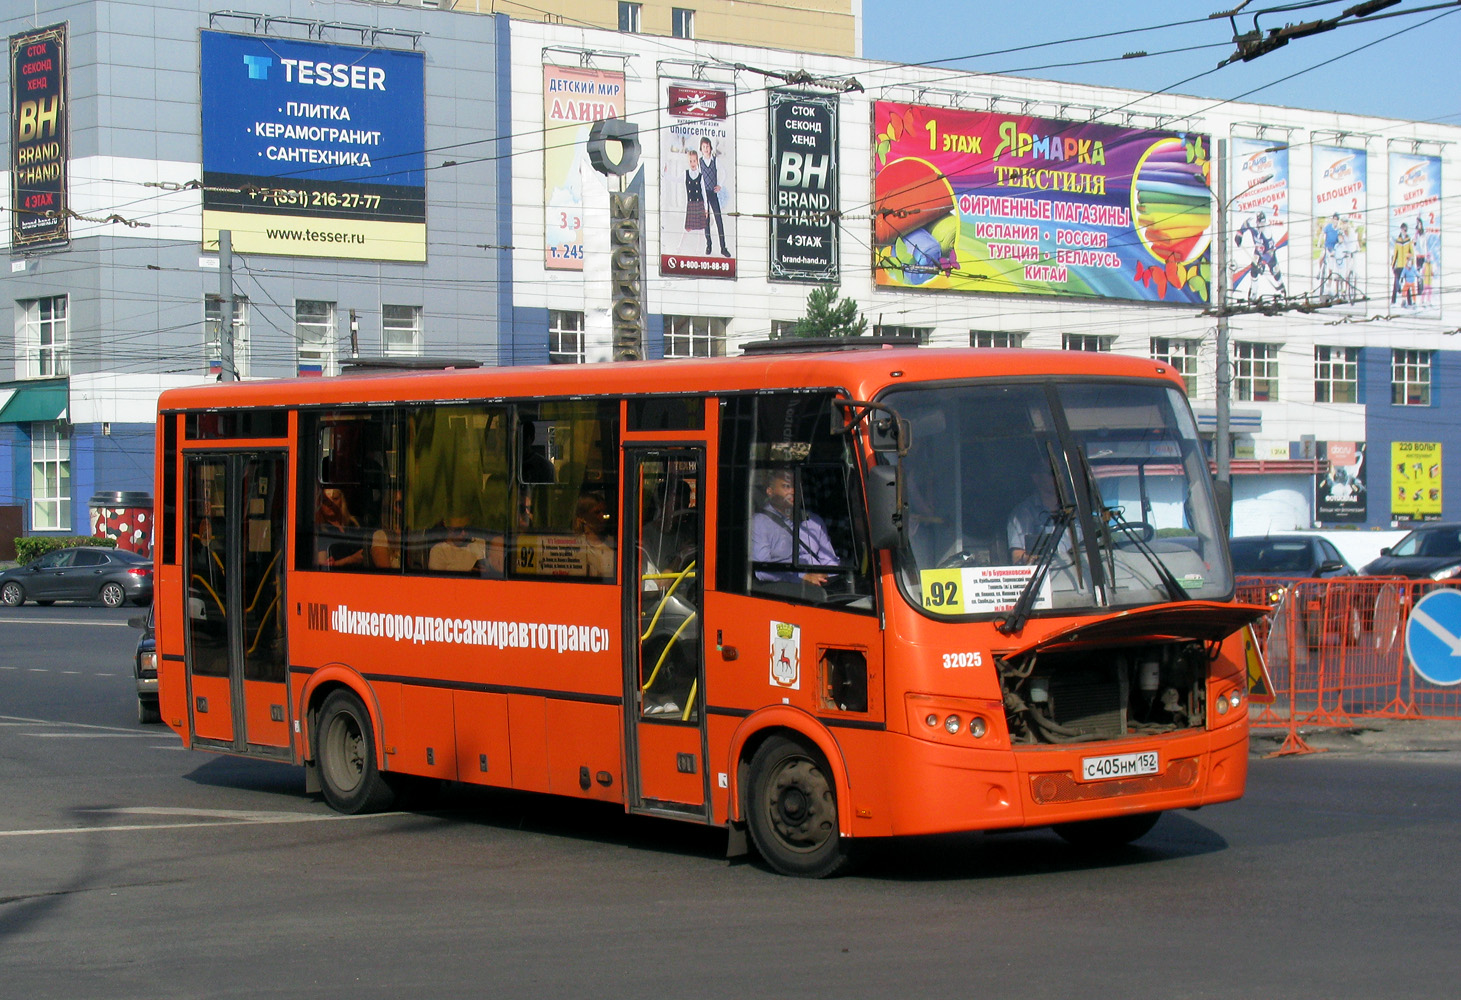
(953, 724)
(931, 720)
(978, 727)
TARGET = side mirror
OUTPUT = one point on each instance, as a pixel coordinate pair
(1385, 551)
(1331, 566)
(885, 514)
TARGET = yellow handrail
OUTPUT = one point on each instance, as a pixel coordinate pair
(690, 701)
(666, 651)
(684, 574)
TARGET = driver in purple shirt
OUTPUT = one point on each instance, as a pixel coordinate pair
(771, 534)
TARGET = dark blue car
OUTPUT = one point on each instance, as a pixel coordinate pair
(111, 576)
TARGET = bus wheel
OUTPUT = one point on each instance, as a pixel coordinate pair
(792, 813)
(1105, 834)
(345, 755)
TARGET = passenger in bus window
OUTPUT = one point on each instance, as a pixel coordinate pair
(591, 524)
(668, 535)
(537, 467)
(385, 544)
(208, 560)
(1032, 516)
(772, 529)
(338, 540)
(458, 552)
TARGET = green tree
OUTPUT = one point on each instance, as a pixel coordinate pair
(828, 316)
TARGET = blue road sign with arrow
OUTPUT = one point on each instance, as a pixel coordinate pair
(1433, 637)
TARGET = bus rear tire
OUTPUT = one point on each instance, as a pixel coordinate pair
(345, 755)
(1109, 833)
(792, 811)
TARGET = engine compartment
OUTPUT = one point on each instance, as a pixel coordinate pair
(1076, 695)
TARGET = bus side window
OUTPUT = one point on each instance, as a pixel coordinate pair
(348, 475)
(791, 519)
(567, 491)
(457, 488)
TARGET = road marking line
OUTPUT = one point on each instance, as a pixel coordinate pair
(246, 819)
(21, 720)
(91, 736)
(61, 621)
(38, 670)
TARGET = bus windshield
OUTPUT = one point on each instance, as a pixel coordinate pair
(1069, 496)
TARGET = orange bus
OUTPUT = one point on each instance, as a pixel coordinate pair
(812, 595)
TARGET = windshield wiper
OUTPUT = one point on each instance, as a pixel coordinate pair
(1109, 515)
(1045, 549)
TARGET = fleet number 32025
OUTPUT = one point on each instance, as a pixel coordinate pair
(954, 661)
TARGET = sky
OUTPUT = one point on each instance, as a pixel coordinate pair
(1409, 76)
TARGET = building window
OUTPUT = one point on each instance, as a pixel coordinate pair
(42, 337)
(682, 22)
(400, 329)
(565, 337)
(783, 328)
(995, 338)
(50, 477)
(1085, 342)
(1410, 378)
(629, 15)
(694, 337)
(1336, 374)
(1181, 355)
(916, 333)
(314, 334)
(213, 347)
(1255, 376)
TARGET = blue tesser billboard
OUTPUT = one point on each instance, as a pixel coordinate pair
(312, 149)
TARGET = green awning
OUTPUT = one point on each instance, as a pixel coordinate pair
(34, 404)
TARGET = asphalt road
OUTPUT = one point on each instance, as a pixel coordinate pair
(132, 868)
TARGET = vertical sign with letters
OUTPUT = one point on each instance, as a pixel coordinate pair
(39, 147)
(803, 187)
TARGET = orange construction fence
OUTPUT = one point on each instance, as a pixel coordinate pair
(1335, 651)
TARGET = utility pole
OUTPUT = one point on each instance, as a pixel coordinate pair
(228, 372)
(1222, 442)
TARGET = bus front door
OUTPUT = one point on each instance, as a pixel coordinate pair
(664, 664)
(234, 561)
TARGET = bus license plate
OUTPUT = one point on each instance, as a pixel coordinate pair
(1121, 765)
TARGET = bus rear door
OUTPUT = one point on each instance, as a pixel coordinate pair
(234, 564)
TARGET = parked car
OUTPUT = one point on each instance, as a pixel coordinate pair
(1306, 557)
(144, 667)
(1430, 552)
(112, 576)
(1325, 612)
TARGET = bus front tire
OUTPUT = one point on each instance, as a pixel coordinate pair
(345, 755)
(1109, 833)
(792, 811)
